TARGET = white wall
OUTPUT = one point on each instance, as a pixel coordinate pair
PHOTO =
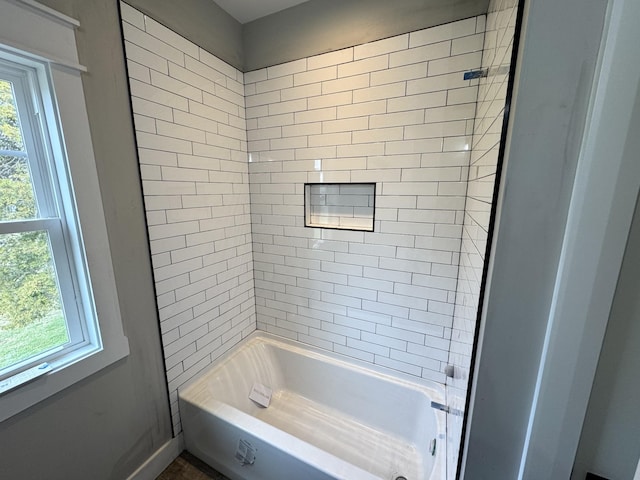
(191, 134)
(556, 63)
(396, 112)
(609, 442)
(492, 92)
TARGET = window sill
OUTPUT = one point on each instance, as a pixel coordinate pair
(66, 371)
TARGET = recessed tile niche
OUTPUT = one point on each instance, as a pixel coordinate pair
(343, 206)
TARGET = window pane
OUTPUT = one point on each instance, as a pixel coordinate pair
(10, 134)
(31, 316)
(17, 198)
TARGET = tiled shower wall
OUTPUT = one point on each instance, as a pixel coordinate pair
(191, 134)
(396, 112)
(501, 20)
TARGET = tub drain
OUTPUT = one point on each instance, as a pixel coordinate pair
(400, 478)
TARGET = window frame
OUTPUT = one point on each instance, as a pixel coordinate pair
(43, 42)
(49, 196)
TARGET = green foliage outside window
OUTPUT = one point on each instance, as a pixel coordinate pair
(28, 290)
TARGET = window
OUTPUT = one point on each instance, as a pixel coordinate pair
(58, 299)
(39, 317)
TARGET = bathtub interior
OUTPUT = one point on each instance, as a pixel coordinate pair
(381, 423)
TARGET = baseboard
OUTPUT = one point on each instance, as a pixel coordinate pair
(159, 460)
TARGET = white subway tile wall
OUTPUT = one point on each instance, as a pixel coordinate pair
(224, 158)
(189, 114)
(496, 57)
(397, 113)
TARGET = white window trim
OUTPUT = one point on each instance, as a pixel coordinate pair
(45, 39)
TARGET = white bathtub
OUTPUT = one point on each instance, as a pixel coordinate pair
(329, 418)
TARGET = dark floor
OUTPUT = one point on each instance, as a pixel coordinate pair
(188, 467)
